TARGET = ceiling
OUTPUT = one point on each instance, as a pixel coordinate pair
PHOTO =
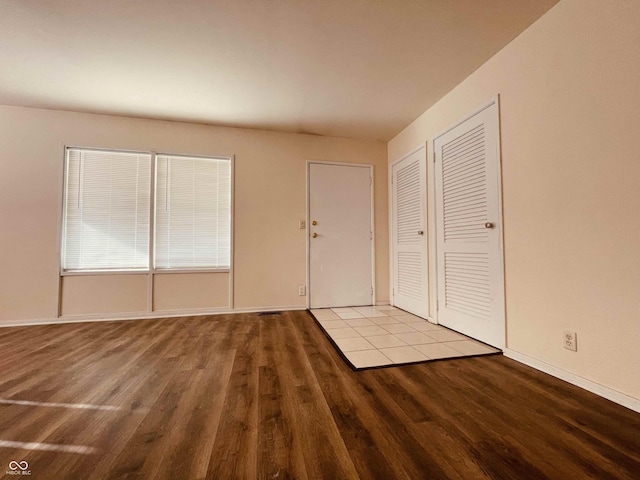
(348, 68)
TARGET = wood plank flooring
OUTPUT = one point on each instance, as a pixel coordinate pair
(245, 396)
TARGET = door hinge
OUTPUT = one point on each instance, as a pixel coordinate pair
(370, 180)
(371, 290)
(437, 304)
(370, 235)
(434, 156)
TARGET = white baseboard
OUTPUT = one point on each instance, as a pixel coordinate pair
(141, 315)
(268, 309)
(589, 385)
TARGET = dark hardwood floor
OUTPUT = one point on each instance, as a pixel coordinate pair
(244, 396)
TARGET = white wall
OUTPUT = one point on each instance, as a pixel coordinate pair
(569, 91)
(270, 199)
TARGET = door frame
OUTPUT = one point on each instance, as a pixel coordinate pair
(495, 100)
(392, 265)
(308, 219)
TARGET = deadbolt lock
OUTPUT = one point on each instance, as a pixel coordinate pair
(314, 223)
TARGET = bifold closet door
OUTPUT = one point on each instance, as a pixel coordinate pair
(409, 236)
(469, 228)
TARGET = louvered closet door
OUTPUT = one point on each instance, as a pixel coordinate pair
(409, 188)
(469, 229)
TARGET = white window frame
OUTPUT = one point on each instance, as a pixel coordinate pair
(154, 211)
(151, 270)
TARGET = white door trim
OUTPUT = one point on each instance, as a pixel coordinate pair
(424, 146)
(473, 113)
(495, 100)
(373, 225)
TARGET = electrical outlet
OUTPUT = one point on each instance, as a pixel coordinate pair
(570, 341)
(302, 290)
(302, 225)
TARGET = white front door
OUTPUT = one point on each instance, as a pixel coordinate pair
(340, 235)
(408, 232)
(469, 228)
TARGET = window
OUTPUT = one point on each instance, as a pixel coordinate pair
(107, 211)
(193, 212)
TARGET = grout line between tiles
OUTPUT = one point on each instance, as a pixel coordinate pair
(345, 356)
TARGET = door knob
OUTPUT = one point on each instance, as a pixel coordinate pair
(489, 225)
(314, 235)
(420, 232)
(314, 223)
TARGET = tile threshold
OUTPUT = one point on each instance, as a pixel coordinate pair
(405, 351)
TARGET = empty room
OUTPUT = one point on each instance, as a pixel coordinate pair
(338, 239)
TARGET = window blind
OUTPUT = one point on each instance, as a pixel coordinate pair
(193, 212)
(106, 211)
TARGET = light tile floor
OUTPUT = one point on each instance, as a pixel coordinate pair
(385, 335)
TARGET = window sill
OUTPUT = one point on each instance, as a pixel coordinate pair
(88, 273)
